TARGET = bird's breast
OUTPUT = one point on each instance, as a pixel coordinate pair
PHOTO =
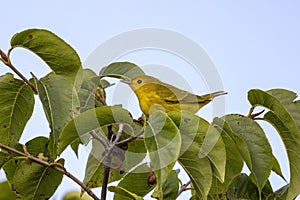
(149, 100)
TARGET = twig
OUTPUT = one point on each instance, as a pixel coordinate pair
(103, 141)
(184, 187)
(119, 134)
(52, 165)
(127, 140)
(5, 59)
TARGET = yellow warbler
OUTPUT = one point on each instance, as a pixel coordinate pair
(156, 95)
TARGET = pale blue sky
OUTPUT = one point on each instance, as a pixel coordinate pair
(253, 44)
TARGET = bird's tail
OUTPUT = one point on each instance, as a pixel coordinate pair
(219, 93)
(209, 97)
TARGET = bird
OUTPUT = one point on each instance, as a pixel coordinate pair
(154, 94)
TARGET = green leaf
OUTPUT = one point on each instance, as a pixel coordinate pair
(276, 168)
(76, 195)
(284, 115)
(90, 86)
(202, 151)
(135, 153)
(214, 148)
(243, 188)
(31, 180)
(95, 167)
(6, 191)
(135, 182)
(94, 173)
(17, 102)
(26, 176)
(58, 55)
(162, 139)
(234, 161)
(258, 153)
(122, 70)
(60, 104)
(170, 187)
(88, 81)
(87, 90)
(6, 156)
(125, 193)
(281, 193)
(199, 171)
(96, 119)
(37, 146)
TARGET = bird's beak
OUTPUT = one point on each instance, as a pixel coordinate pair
(127, 81)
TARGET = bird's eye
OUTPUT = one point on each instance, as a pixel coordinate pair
(139, 81)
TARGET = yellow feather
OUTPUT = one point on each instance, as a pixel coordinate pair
(156, 95)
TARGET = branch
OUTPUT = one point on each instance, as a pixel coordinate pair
(5, 59)
(105, 180)
(184, 187)
(109, 146)
(119, 134)
(52, 165)
(126, 141)
(97, 137)
(108, 160)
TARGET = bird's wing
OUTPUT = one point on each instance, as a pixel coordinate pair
(171, 94)
(176, 95)
(166, 92)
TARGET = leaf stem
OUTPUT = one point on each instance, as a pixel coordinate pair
(100, 97)
(254, 115)
(184, 187)
(5, 59)
(52, 165)
(250, 111)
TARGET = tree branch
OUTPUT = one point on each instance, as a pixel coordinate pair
(108, 159)
(52, 165)
(105, 179)
(5, 59)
